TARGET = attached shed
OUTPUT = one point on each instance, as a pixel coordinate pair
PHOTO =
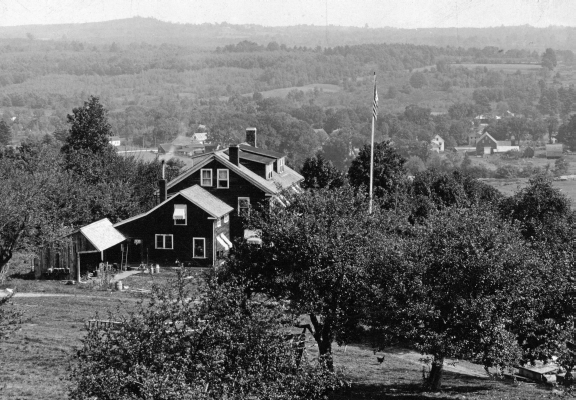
(554, 150)
(81, 251)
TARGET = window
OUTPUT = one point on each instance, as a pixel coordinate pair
(206, 177)
(164, 242)
(226, 218)
(269, 171)
(199, 247)
(180, 214)
(243, 205)
(281, 165)
(218, 223)
(222, 180)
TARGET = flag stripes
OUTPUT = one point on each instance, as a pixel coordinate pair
(375, 101)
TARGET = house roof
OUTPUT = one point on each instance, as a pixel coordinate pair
(206, 201)
(212, 205)
(264, 152)
(192, 147)
(182, 141)
(200, 136)
(166, 147)
(102, 234)
(284, 180)
(256, 158)
(488, 135)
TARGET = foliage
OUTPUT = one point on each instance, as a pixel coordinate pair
(5, 133)
(542, 211)
(567, 133)
(389, 174)
(315, 254)
(89, 129)
(225, 345)
(549, 59)
(457, 290)
(561, 166)
(418, 80)
(320, 173)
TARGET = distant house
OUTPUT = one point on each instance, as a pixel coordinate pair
(191, 226)
(554, 150)
(475, 134)
(81, 251)
(487, 145)
(200, 137)
(485, 118)
(437, 143)
(182, 141)
(116, 141)
(191, 149)
(166, 148)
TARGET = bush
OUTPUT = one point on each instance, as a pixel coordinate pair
(507, 171)
(224, 345)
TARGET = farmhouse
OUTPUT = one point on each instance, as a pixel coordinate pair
(437, 143)
(487, 145)
(241, 176)
(192, 226)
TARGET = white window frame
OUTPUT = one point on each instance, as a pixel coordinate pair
(185, 220)
(194, 246)
(226, 218)
(218, 222)
(269, 169)
(243, 198)
(281, 165)
(202, 176)
(227, 179)
(163, 241)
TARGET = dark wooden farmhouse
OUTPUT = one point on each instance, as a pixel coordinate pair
(486, 144)
(241, 176)
(191, 227)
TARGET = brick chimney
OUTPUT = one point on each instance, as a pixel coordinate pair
(251, 136)
(233, 155)
(162, 185)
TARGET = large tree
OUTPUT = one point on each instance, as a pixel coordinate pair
(315, 254)
(320, 173)
(89, 129)
(458, 290)
(389, 174)
(567, 133)
(5, 133)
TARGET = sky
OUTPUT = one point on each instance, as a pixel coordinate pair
(374, 13)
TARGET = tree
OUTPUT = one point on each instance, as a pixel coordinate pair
(389, 174)
(10, 319)
(314, 255)
(418, 80)
(5, 133)
(226, 345)
(549, 59)
(320, 173)
(567, 133)
(458, 290)
(89, 129)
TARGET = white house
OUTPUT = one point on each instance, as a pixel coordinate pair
(437, 143)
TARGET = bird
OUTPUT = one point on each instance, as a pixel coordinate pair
(380, 359)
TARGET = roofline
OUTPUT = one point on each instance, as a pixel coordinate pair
(202, 208)
(227, 163)
(87, 238)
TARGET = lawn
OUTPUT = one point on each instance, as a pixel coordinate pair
(36, 360)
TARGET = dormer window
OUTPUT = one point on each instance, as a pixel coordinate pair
(281, 165)
(180, 215)
(268, 171)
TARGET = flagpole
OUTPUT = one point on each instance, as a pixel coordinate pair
(374, 105)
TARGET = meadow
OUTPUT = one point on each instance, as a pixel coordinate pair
(36, 360)
(510, 68)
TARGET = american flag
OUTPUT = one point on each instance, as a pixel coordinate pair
(375, 102)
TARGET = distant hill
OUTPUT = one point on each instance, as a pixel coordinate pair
(209, 36)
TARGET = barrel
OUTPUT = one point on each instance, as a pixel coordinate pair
(157, 268)
(119, 285)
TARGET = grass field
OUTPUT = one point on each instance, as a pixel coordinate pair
(35, 361)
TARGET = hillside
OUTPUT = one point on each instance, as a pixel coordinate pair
(209, 36)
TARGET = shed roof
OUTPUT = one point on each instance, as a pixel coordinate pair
(102, 234)
(166, 147)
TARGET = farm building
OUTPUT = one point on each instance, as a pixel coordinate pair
(437, 144)
(116, 141)
(81, 251)
(554, 150)
(488, 145)
(475, 133)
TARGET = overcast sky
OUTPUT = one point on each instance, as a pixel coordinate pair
(375, 13)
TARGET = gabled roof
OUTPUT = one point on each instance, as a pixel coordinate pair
(102, 234)
(284, 180)
(264, 152)
(182, 141)
(206, 201)
(166, 147)
(488, 135)
(201, 198)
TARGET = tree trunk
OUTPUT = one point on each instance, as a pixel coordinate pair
(325, 350)
(435, 379)
(323, 337)
(4, 271)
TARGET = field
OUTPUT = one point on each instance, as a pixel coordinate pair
(511, 68)
(36, 360)
(283, 92)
